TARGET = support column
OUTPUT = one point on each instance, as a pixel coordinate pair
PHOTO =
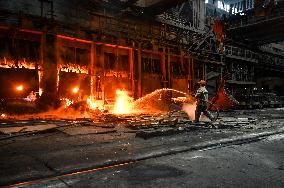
(169, 68)
(139, 72)
(131, 66)
(102, 82)
(164, 70)
(192, 74)
(252, 73)
(222, 67)
(204, 71)
(92, 69)
(232, 70)
(50, 73)
(40, 65)
(190, 78)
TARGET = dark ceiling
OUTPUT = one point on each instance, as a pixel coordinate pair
(131, 7)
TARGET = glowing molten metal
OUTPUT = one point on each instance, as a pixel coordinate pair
(123, 103)
(20, 88)
(40, 92)
(75, 90)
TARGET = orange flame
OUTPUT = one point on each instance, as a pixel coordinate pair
(74, 68)
(123, 103)
(94, 105)
(4, 63)
(68, 102)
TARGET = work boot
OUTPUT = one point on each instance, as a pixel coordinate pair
(211, 117)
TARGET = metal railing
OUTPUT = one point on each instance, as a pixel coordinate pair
(241, 53)
(237, 21)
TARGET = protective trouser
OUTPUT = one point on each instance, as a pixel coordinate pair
(199, 110)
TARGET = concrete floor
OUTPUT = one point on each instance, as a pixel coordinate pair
(60, 155)
(259, 164)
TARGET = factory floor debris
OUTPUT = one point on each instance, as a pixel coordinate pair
(38, 148)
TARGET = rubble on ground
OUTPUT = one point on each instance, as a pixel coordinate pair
(143, 125)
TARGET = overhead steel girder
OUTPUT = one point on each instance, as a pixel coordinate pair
(123, 4)
(116, 5)
(161, 6)
(152, 9)
(261, 33)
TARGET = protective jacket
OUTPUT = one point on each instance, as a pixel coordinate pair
(202, 96)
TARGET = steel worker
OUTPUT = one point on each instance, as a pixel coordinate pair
(202, 100)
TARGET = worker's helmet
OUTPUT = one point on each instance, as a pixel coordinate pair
(202, 82)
